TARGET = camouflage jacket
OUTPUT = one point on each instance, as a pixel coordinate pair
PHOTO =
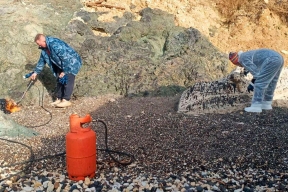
(61, 54)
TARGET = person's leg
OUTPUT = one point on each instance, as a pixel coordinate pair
(67, 91)
(270, 69)
(269, 93)
(68, 88)
(59, 94)
(59, 90)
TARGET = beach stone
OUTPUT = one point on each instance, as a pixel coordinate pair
(28, 189)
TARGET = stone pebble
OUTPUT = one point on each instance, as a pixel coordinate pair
(255, 180)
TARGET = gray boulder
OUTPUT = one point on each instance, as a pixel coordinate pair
(8, 127)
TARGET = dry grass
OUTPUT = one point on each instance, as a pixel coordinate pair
(231, 10)
(280, 7)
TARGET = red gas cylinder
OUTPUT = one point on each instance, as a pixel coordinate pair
(80, 149)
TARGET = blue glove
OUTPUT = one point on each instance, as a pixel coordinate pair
(28, 75)
(246, 72)
(251, 86)
(63, 80)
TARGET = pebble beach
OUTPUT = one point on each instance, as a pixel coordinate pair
(236, 151)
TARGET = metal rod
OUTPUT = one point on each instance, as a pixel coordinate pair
(28, 87)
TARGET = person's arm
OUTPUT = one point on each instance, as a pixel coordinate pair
(246, 60)
(250, 66)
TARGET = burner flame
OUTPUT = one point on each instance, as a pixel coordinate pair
(11, 106)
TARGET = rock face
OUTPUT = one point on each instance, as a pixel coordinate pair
(20, 22)
(137, 57)
(144, 55)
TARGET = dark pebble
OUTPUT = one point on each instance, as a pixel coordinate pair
(246, 189)
(191, 179)
(188, 187)
(153, 189)
(199, 188)
(222, 188)
(281, 187)
(261, 183)
(211, 183)
(99, 188)
(270, 184)
(125, 179)
(73, 187)
(96, 184)
(14, 188)
(203, 168)
(162, 182)
(174, 177)
(63, 185)
(43, 179)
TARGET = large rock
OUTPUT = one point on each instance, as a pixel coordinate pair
(20, 22)
(8, 127)
(137, 57)
(142, 56)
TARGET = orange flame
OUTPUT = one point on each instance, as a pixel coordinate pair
(11, 106)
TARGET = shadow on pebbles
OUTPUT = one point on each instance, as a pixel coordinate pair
(236, 151)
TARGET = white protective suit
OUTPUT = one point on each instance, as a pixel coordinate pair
(265, 65)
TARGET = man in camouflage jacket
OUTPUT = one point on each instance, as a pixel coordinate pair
(64, 63)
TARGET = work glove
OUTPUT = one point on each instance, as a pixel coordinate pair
(63, 80)
(251, 86)
(28, 75)
(246, 72)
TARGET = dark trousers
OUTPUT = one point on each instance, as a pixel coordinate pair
(65, 91)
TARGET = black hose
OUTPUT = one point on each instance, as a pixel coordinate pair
(41, 104)
(31, 159)
(109, 151)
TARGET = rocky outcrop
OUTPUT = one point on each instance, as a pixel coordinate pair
(20, 22)
(141, 57)
(218, 96)
(227, 94)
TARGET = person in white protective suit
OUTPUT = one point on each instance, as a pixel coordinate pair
(265, 65)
